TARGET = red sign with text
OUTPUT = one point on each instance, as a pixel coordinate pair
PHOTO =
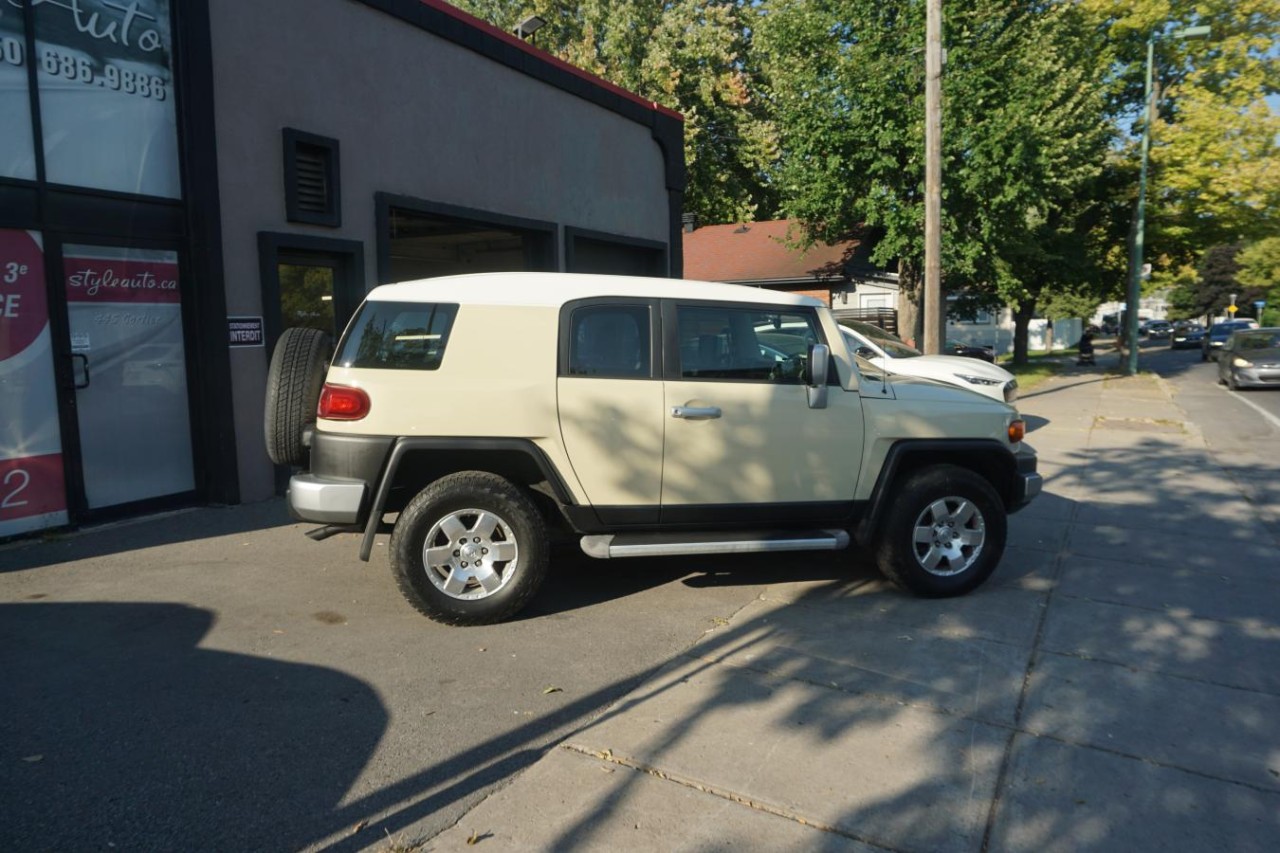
(118, 280)
(31, 485)
(23, 312)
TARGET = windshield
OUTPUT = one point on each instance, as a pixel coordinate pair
(892, 345)
(1258, 340)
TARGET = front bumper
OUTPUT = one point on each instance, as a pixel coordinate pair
(325, 501)
(1027, 482)
(1258, 376)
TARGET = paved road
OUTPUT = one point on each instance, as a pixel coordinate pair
(215, 680)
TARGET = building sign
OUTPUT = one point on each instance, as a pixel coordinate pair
(106, 93)
(17, 151)
(246, 331)
(32, 491)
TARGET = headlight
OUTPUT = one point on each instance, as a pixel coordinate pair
(1240, 362)
(978, 380)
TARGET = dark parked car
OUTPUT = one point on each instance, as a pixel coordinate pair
(1251, 359)
(969, 351)
(1218, 334)
(1187, 336)
(1154, 329)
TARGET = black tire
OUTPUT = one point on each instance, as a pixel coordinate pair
(465, 499)
(294, 381)
(902, 559)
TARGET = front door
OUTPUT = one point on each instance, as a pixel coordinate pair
(739, 428)
(129, 371)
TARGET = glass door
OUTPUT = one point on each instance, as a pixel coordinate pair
(128, 364)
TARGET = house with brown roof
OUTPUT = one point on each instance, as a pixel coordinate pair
(760, 254)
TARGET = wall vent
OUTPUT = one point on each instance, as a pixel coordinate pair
(311, 184)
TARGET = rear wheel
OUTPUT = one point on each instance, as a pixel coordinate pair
(294, 381)
(944, 533)
(469, 549)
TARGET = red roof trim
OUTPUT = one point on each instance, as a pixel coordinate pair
(542, 56)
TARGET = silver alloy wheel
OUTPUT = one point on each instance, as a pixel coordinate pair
(948, 536)
(470, 554)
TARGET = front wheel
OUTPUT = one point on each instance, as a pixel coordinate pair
(944, 533)
(469, 549)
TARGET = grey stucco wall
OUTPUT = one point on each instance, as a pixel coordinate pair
(415, 115)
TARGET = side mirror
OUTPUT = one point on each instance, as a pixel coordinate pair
(816, 375)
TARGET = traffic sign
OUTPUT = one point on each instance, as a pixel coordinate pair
(1231, 309)
(1260, 304)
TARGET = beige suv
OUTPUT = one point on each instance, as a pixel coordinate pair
(641, 417)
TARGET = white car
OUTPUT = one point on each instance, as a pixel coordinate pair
(890, 353)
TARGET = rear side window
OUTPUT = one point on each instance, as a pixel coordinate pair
(397, 336)
(610, 341)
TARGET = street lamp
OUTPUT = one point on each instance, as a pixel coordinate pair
(526, 28)
(1133, 296)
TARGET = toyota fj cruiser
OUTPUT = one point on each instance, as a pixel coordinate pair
(640, 416)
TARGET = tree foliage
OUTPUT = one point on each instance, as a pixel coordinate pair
(1217, 280)
(1023, 134)
(1215, 169)
(692, 56)
(1260, 268)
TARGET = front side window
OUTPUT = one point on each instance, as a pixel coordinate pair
(610, 341)
(747, 344)
(397, 336)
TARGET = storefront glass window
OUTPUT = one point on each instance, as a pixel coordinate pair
(32, 491)
(17, 152)
(124, 311)
(106, 94)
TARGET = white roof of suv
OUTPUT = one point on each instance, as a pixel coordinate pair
(551, 289)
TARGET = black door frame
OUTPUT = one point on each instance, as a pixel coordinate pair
(346, 256)
(54, 242)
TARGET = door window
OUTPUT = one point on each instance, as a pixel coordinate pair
(610, 341)
(306, 296)
(745, 344)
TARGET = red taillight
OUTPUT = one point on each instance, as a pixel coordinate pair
(341, 403)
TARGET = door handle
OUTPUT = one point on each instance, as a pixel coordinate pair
(76, 384)
(695, 413)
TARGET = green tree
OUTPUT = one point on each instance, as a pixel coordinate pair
(692, 56)
(1215, 169)
(1023, 134)
(1260, 268)
(1217, 279)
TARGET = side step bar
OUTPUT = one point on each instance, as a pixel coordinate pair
(615, 545)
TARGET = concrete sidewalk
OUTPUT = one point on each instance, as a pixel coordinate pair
(1115, 686)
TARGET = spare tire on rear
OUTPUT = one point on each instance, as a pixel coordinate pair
(297, 372)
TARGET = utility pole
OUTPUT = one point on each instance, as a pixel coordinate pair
(934, 322)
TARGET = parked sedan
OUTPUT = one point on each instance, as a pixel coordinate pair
(1187, 336)
(964, 350)
(890, 353)
(1156, 329)
(1218, 334)
(1251, 359)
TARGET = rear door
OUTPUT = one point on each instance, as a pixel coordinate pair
(610, 400)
